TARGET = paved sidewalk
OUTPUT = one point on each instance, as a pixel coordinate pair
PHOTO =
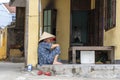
(33, 76)
(15, 71)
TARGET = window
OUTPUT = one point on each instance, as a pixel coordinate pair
(49, 20)
(110, 14)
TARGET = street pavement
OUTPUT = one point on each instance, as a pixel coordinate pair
(16, 71)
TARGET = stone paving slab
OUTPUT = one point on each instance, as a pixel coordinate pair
(15, 71)
(33, 76)
(111, 71)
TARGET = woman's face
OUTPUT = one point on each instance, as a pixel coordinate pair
(49, 40)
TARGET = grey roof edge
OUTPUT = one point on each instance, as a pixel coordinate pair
(18, 3)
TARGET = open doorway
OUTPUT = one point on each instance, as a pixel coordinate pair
(15, 37)
(88, 23)
(79, 27)
(87, 26)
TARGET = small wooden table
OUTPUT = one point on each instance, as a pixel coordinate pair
(110, 50)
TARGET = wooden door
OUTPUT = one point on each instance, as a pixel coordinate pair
(99, 18)
(95, 25)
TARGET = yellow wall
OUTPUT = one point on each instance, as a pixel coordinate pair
(92, 4)
(3, 45)
(112, 37)
(31, 32)
(62, 25)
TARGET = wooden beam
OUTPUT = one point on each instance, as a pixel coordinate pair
(101, 48)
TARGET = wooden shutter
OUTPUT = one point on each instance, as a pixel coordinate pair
(98, 30)
(110, 14)
(114, 12)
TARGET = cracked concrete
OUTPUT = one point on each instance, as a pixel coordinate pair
(16, 71)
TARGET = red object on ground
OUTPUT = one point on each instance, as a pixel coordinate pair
(40, 72)
(47, 73)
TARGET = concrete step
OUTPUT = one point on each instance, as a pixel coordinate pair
(33, 76)
(92, 71)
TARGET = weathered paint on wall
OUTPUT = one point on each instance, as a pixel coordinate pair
(31, 33)
(112, 37)
(3, 43)
(62, 24)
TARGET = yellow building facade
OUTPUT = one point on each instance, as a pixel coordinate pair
(31, 32)
(3, 43)
(34, 25)
(111, 37)
(62, 24)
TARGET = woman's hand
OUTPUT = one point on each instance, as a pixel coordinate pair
(54, 46)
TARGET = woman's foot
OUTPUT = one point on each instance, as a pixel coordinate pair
(56, 62)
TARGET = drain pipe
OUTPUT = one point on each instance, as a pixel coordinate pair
(39, 23)
(26, 31)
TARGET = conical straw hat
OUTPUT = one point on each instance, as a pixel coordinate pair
(46, 35)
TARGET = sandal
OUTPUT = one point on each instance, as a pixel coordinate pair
(40, 72)
(47, 73)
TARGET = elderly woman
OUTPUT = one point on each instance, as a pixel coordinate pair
(47, 51)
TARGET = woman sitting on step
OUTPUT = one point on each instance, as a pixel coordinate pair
(47, 51)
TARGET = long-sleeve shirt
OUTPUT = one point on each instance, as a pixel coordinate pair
(46, 54)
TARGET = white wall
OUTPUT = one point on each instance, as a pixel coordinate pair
(4, 1)
(5, 16)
